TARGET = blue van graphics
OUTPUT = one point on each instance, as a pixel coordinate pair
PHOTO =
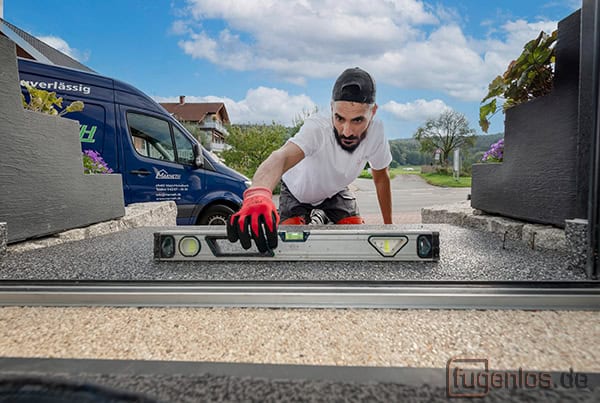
(162, 174)
(59, 86)
(156, 156)
(87, 135)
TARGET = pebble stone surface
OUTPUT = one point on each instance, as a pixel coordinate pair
(465, 254)
(541, 340)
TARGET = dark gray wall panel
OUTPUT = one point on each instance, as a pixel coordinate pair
(586, 115)
(43, 187)
(541, 177)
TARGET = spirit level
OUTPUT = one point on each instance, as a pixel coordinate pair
(297, 243)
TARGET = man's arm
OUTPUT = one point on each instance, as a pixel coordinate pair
(272, 169)
(258, 217)
(381, 177)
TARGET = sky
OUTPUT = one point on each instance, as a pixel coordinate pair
(277, 60)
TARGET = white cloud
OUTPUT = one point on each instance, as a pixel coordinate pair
(405, 43)
(569, 4)
(444, 61)
(62, 46)
(261, 105)
(308, 38)
(497, 54)
(416, 111)
(180, 28)
(521, 31)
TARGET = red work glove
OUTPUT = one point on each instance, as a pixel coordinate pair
(257, 219)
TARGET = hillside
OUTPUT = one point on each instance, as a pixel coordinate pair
(408, 151)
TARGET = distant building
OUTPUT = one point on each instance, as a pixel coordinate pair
(211, 118)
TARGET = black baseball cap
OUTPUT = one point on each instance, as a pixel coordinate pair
(354, 85)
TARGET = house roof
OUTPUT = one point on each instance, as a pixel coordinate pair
(31, 47)
(196, 112)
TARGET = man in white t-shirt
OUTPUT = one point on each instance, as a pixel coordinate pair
(317, 165)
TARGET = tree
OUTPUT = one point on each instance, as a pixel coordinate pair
(397, 153)
(299, 119)
(447, 132)
(202, 136)
(415, 158)
(251, 145)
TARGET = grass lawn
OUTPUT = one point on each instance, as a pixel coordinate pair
(403, 170)
(435, 179)
(447, 180)
(407, 170)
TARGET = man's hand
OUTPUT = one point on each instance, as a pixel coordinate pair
(257, 219)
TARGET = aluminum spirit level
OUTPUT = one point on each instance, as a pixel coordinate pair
(299, 243)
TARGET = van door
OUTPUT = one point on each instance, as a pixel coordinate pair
(97, 130)
(159, 163)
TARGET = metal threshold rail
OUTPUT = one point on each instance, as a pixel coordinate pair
(306, 294)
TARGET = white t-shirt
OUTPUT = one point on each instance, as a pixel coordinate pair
(327, 168)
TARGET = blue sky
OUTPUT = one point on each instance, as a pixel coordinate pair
(271, 60)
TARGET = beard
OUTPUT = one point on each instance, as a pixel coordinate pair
(349, 148)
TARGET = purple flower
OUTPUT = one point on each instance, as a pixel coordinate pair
(495, 153)
(93, 163)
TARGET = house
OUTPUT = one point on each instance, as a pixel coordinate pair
(210, 117)
(29, 47)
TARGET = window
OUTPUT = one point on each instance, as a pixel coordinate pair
(151, 137)
(185, 151)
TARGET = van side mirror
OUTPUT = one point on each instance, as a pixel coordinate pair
(198, 156)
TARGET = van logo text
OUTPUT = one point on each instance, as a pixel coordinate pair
(59, 86)
(162, 174)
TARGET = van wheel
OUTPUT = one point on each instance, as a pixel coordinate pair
(216, 215)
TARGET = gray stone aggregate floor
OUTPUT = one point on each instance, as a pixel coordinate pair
(193, 382)
(465, 254)
(220, 388)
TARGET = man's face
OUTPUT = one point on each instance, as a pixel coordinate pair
(350, 122)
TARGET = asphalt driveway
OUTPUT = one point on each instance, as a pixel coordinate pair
(410, 193)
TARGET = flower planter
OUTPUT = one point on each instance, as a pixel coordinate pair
(541, 178)
(43, 187)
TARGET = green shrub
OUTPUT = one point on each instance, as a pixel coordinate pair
(47, 102)
(528, 77)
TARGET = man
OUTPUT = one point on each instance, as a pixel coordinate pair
(317, 165)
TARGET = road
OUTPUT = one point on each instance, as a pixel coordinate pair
(410, 193)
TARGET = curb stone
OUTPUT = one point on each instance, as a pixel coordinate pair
(462, 214)
(153, 214)
(534, 234)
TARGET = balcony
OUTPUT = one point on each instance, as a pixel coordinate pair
(214, 125)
